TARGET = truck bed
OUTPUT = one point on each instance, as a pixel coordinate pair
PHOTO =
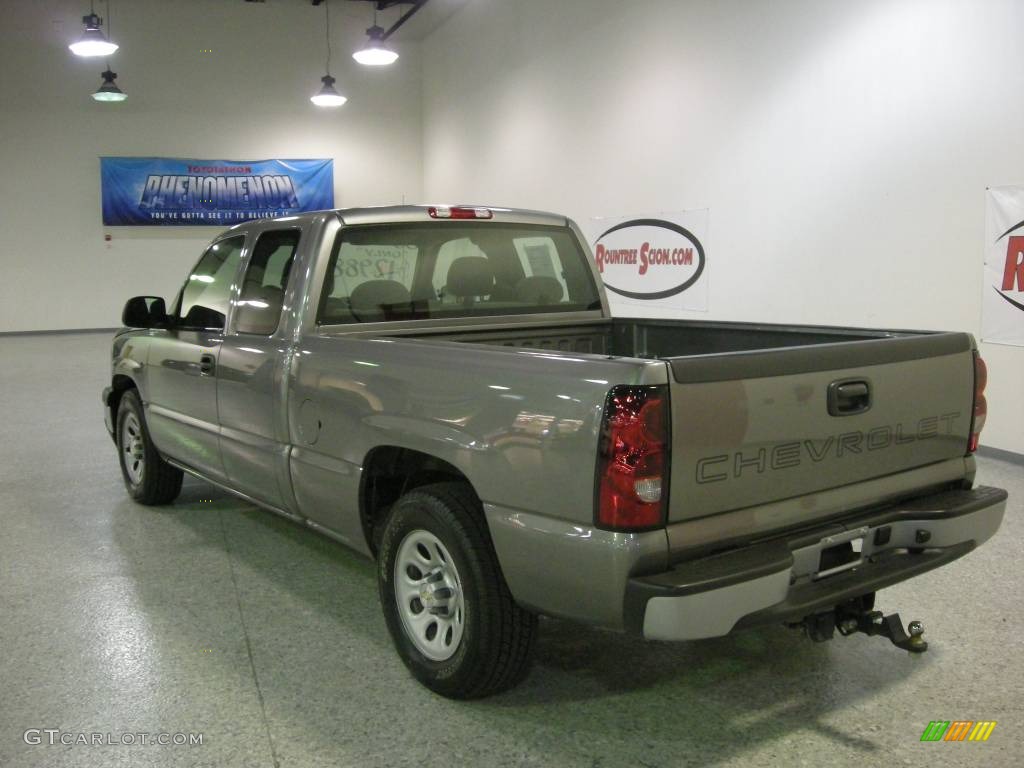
(751, 418)
(660, 339)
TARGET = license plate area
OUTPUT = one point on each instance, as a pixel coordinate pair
(840, 552)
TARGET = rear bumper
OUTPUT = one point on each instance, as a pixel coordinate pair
(786, 579)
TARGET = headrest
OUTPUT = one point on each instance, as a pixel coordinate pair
(539, 290)
(470, 276)
(378, 294)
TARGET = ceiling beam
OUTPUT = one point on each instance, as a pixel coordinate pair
(383, 5)
(417, 4)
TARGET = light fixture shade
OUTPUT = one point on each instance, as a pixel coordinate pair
(328, 95)
(109, 91)
(376, 52)
(92, 42)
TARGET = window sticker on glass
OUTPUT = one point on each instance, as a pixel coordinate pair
(358, 264)
(539, 259)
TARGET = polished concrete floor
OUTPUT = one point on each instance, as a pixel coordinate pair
(212, 617)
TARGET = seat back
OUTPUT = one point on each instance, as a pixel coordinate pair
(469, 278)
(379, 299)
(539, 290)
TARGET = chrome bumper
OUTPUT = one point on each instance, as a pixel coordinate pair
(787, 579)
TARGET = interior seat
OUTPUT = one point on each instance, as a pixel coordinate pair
(540, 289)
(469, 278)
(379, 299)
(504, 292)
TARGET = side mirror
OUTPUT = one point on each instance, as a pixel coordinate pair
(145, 312)
(203, 317)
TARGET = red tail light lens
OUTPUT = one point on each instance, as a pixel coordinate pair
(980, 403)
(633, 459)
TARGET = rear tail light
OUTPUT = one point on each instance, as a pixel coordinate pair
(458, 212)
(980, 403)
(633, 459)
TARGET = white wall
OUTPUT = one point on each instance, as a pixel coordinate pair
(247, 100)
(843, 148)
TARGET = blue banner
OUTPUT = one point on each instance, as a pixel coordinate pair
(161, 191)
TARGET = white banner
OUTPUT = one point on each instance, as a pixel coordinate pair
(1002, 302)
(653, 262)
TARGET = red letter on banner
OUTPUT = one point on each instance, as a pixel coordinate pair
(1014, 264)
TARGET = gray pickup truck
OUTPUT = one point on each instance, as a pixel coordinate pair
(444, 389)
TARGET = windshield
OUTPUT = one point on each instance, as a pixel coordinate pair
(454, 269)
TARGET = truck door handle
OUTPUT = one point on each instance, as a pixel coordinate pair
(207, 363)
(849, 396)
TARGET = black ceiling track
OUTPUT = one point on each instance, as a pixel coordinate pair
(383, 5)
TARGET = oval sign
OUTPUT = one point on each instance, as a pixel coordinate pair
(637, 258)
(1013, 272)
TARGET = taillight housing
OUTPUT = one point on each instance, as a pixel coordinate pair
(980, 403)
(458, 212)
(633, 459)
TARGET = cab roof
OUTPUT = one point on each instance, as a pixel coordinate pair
(410, 214)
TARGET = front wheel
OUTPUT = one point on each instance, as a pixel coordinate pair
(147, 477)
(446, 604)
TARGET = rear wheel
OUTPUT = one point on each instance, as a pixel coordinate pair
(147, 477)
(449, 611)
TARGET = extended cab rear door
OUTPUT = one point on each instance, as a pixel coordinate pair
(250, 384)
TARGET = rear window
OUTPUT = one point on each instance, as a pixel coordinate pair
(454, 269)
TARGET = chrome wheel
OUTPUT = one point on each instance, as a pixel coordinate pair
(429, 595)
(133, 448)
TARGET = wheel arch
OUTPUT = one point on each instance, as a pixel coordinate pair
(388, 472)
(119, 384)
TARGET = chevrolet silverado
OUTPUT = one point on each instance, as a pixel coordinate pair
(444, 389)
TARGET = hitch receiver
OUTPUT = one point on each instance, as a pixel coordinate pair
(855, 616)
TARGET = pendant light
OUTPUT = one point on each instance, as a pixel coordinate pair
(376, 52)
(93, 42)
(328, 95)
(109, 91)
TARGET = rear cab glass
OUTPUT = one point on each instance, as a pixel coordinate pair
(457, 269)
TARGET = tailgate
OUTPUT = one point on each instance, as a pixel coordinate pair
(750, 428)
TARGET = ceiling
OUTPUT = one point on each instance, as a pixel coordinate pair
(431, 15)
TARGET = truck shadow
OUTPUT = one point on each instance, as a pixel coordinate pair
(590, 691)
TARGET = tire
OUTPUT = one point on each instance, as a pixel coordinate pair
(483, 642)
(147, 477)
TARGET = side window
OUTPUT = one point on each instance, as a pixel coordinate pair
(206, 295)
(261, 299)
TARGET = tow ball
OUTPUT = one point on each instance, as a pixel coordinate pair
(852, 619)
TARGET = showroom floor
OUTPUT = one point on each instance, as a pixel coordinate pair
(212, 617)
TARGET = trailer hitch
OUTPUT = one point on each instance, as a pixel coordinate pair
(853, 617)
(891, 626)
